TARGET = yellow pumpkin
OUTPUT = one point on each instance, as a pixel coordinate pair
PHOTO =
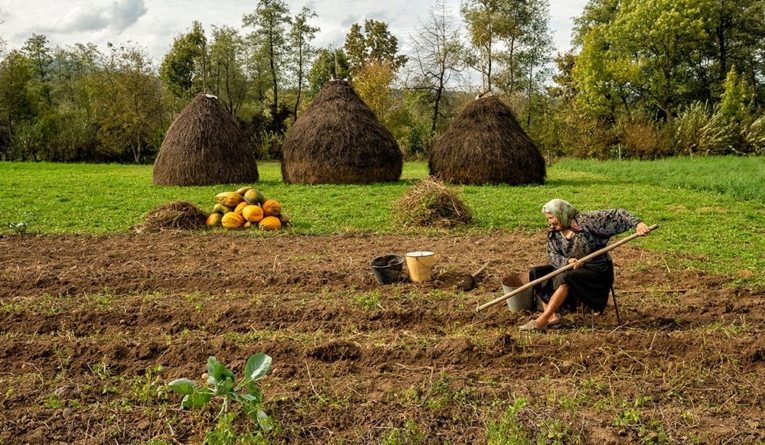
(252, 213)
(214, 220)
(239, 207)
(228, 199)
(271, 208)
(243, 190)
(220, 208)
(269, 223)
(254, 196)
(247, 224)
(232, 220)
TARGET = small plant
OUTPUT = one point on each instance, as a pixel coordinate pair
(508, 431)
(221, 383)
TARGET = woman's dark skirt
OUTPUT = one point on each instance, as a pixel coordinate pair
(589, 284)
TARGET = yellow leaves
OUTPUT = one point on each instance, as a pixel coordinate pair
(372, 83)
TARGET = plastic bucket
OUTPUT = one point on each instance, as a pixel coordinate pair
(521, 301)
(387, 268)
(420, 265)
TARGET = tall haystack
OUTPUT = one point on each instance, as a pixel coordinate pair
(203, 146)
(338, 140)
(486, 145)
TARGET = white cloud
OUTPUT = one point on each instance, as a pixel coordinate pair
(112, 16)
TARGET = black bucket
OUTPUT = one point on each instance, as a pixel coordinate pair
(387, 268)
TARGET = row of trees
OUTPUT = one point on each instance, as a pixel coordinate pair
(661, 77)
(646, 78)
(79, 104)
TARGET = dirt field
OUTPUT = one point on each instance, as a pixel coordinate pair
(86, 323)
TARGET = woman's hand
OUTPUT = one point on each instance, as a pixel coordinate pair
(575, 262)
(642, 229)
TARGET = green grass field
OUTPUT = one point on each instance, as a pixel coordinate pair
(710, 210)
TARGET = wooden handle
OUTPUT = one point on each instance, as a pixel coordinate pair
(562, 269)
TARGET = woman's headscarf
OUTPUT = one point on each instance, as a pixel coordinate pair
(563, 211)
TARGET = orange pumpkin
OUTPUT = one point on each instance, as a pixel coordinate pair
(232, 220)
(271, 208)
(252, 213)
(269, 223)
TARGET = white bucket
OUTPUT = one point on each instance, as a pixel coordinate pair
(420, 265)
(521, 301)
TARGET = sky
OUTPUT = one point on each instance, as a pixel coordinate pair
(153, 24)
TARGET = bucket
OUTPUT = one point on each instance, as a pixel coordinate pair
(420, 265)
(521, 301)
(387, 268)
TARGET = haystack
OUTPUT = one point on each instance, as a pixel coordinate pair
(204, 146)
(486, 145)
(338, 140)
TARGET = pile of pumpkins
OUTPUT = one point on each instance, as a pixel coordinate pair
(247, 207)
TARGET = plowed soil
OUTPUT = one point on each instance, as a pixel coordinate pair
(92, 329)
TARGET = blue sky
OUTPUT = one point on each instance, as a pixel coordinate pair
(154, 23)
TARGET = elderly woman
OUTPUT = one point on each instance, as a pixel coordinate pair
(574, 235)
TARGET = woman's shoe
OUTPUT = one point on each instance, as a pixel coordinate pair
(532, 327)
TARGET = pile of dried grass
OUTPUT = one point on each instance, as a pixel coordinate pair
(176, 215)
(431, 203)
(339, 140)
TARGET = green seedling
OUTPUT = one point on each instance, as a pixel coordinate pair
(221, 383)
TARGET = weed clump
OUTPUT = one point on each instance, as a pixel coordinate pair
(175, 215)
(430, 202)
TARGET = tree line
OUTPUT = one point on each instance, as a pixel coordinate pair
(645, 79)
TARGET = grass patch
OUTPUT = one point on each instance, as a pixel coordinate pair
(703, 205)
(736, 176)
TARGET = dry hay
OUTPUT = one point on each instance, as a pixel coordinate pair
(176, 215)
(204, 146)
(339, 140)
(430, 202)
(486, 145)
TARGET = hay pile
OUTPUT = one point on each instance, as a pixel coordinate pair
(485, 144)
(204, 146)
(176, 215)
(431, 203)
(339, 140)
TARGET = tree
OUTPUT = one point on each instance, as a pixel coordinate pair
(372, 83)
(300, 38)
(128, 104)
(642, 56)
(183, 68)
(328, 64)
(374, 44)
(511, 34)
(737, 37)
(40, 60)
(270, 20)
(228, 80)
(733, 103)
(16, 101)
(438, 55)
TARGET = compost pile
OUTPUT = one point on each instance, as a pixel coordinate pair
(431, 202)
(245, 208)
(175, 215)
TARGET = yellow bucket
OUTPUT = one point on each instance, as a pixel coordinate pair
(420, 265)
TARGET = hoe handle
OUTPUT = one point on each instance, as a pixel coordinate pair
(561, 270)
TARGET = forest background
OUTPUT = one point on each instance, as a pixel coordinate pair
(644, 79)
